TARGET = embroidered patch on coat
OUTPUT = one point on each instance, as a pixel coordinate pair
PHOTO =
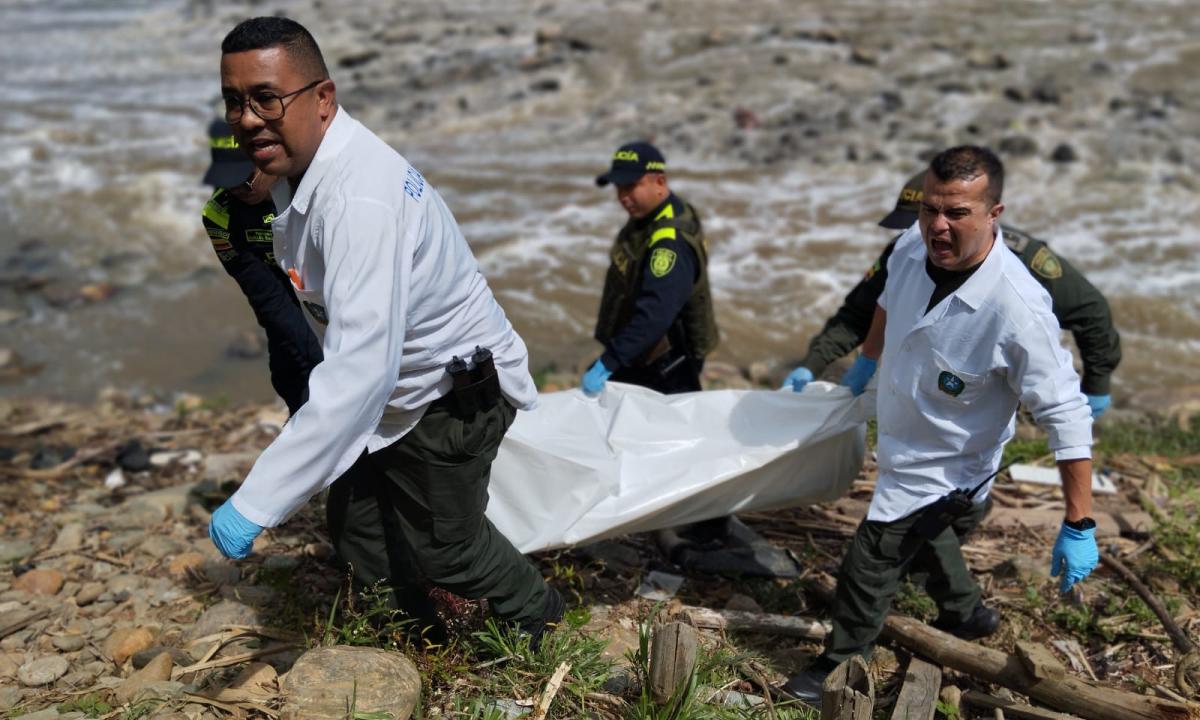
(951, 384)
(662, 261)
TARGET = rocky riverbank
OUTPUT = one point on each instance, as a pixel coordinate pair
(115, 604)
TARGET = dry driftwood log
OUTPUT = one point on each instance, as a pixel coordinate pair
(766, 623)
(1011, 708)
(919, 693)
(1063, 692)
(1066, 693)
(848, 693)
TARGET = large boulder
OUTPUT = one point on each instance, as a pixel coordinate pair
(324, 682)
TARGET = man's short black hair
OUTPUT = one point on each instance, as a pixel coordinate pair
(265, 32)
(967, 162)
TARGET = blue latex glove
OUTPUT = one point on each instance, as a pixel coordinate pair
(1098, 404)
(595, 377)
(1075, 555)
(232, 533)
(798, 378)
(859, 374)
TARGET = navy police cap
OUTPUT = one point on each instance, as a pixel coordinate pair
(230, 166)
(630, 162)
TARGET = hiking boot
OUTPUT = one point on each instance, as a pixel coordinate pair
(983, 622)
(805, 687)
(552, 614)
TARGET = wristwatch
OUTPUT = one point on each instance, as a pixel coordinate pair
(1085, 523)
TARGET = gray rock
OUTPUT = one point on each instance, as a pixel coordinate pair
(228, 466)
(124, 584)
(89, 593)
(47, 714)
(69, 538)
(1023, 569)
(159, 546)
(10, 697)
(226, 612)
(79, 678)
(69, 643)
(222, 572)
(1017, 146)
(139, 515)
(123, 541)
(173, 500)
(9, 665)
(12, 550)
(323, 680)
(43, 671)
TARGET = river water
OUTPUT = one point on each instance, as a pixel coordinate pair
(791, 127)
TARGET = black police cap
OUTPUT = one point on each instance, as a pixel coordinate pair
(630, 162)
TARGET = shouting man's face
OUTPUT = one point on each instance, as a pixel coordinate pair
(958, 221)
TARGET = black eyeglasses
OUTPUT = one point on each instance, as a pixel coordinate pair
(266, 105)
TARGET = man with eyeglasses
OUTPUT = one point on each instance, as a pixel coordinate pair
(237, 219)
(389, 284)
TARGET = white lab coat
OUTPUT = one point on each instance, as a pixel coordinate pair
(390, 286)
(995, 342)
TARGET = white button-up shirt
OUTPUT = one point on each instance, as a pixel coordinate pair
(950, 380)
(388, 283)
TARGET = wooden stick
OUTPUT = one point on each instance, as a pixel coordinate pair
(1178, 637)
(1011, 708)
(232, 660)
(556, 681)
(764, 623)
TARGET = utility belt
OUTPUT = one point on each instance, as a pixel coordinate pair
(475, 386)
(667, 355)
(942, 513)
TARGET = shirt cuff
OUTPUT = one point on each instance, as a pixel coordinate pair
(1077, 452)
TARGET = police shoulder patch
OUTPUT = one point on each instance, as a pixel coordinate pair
(662, 261)
(1045, 263)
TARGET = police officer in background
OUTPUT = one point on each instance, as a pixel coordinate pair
(656, 318)
(1077, 303)
(237, 219)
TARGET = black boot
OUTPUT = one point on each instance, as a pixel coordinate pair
(552, 614)
(983, 622)
(806, 687)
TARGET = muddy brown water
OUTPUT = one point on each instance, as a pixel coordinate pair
(791, 127)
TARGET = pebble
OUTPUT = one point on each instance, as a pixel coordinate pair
(69, 643)
(40, 582)
(10, 696)
(138, 684)
(89, 593)
(69, 538)
(14, 550)
(43, 671)
(124, 642)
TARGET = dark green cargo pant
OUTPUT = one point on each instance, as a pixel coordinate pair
(879, 556)
(412, 515)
